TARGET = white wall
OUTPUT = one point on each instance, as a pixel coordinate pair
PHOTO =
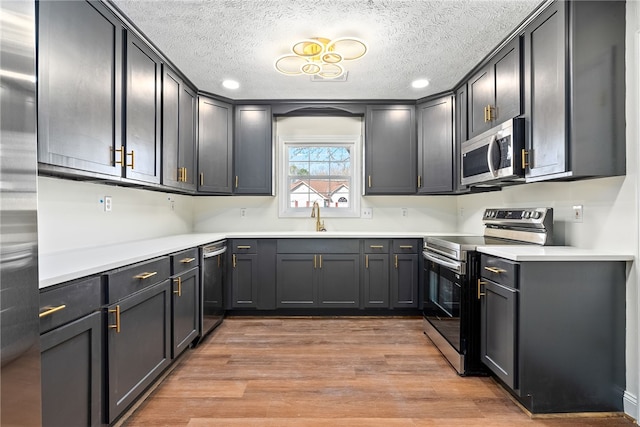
(70, 215)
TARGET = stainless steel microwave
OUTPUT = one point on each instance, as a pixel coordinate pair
(494, 156)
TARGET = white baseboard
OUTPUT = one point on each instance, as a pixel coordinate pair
(630, 403)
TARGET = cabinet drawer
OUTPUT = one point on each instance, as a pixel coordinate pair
(376, 246)
(318, 246)
(405, 246)
(128, 280)
(499, 270)
(69, 302)
(245, 246)
(185, 260)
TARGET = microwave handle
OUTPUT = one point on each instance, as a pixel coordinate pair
(490, 155)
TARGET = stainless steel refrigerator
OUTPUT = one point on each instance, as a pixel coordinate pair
(20, 396)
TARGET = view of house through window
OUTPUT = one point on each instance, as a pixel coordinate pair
(319, 173)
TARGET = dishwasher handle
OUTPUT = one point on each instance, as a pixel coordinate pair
(220, 251)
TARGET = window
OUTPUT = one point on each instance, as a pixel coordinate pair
(321, 169)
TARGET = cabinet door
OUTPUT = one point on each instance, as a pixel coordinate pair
(481, 96)
(215, 139)
(390, 150)
(178, 132)
(404, 280)
(435, 146)
(142, 137)
(186, 310)
(498, 331)
(79, 86)
(376, 280)
(72, 373)
(140, 348)
(244, 280)
(296, 280)
(545, 92)
(252, 151)
(338, 280)
(507, 79)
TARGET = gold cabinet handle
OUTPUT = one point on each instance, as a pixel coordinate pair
(320, 261)
(485, 115)
(184, 175)
(480, 294)
(419, 181)
(180, 175)
(406, 246)
(490, 113)
(117, 325)
(52, 310)
(366, 261)
(236, 181)
(234, 260)
(369, 181)
(145, 275)
(243, 246)
(396, 262)
(525, 154)
(112, 153)
(132, 154)
(187, 260)
(495, 270)
(178, 280)
(315, 264)
(376, 246)
(201, 179)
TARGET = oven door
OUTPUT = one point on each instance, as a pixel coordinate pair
(443, 300)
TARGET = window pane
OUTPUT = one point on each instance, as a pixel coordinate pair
(340, 168)
(298, 168)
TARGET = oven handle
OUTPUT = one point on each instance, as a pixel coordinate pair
(215, 253)
(490, 155)
(453, 265)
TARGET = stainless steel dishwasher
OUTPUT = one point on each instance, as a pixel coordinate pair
(212, 286)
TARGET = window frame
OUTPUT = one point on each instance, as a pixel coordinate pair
(354, 142)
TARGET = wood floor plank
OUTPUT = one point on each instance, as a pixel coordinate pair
(330, 372)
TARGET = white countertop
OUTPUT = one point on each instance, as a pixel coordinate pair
(61, 267)
(55, 268)
(551, 253)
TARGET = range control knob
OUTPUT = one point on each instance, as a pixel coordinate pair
(536, 214)
(526, 214)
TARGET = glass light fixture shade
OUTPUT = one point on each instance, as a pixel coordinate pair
(331, 71)
(350, 48)
(290, 64)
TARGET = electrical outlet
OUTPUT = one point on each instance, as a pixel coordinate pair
(367, 213)
(108, 203)
(577, 213)
(405, 212)
(461, 212)
(172, 203)
(243, 212)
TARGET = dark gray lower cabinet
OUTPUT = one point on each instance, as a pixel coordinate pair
(185, 310)
(339, 280)
(404, 281)
(376, 280)
(244, 280)
(72, 373)
(138, 344)
(296, 279)
(554, 332)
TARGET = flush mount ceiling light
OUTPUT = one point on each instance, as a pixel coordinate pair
(231, 84)
(419, 84)
(320, 56)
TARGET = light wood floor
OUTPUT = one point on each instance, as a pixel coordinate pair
(329, 372)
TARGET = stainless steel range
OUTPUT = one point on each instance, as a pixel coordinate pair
(451, 297)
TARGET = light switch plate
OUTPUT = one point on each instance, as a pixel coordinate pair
(108, 203)
(577, 213)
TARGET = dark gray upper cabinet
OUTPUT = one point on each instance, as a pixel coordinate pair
(495, 90)
(575, 91)
(215, 145)
(460, 134)
(178, 132)
(252, 150)
(390, 150)
(143, 87)
(435, 146)
(79, 86)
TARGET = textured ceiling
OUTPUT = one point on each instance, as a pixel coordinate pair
(213, 40)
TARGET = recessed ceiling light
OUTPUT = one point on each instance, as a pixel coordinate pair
(231, 84)
(419, 84)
